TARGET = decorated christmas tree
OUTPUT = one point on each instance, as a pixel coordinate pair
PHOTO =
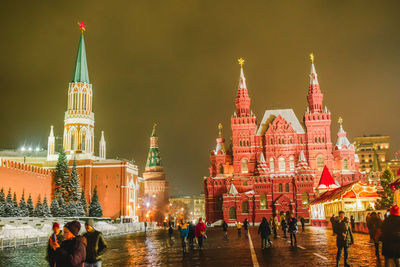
(61, 174)
(62, 207)
(95, 209)
(31, 209)
(45, 207)
(73, 184)
(83, 203)
(387, 193)
(23, 208)
(55, 208)
(39, 208)
(9, 206)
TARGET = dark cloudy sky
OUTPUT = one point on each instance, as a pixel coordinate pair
(174, 62)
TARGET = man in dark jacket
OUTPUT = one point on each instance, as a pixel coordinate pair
(332, 220)
(344, 238)
(191, 235)
(56, 237)
(264, 230)
(375, 227)
(72, 252)
(246, 225)
(96, 245)
(225, 229)
(391, 237)
(292, 229)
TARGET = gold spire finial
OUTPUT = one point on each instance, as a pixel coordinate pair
(241, 62)
(312, 58)
(220, 130)
(154, 126)
(340, 120)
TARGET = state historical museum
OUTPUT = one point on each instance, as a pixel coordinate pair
(274, 166)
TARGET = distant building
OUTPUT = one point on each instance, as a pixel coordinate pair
(195, 205)
(367, 147)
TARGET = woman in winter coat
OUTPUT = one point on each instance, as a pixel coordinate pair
(391, 237)
(200, 232)
(344, 238)
(275, 225)
(72, 252)
(375, 227)
(264, 230)
(292, 229)
(184, 230)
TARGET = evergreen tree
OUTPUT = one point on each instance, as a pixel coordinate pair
(45, 207)
(23, 208)
(15, 205)
(31, 209)
(62, 207)
(2, 196)
(55, 208)
(83, 203)
(79, 209)
(9, 206)
(72, 209)
(2, 202)
(61, 174)
(73, 184)
(39, 208)
(95, 209)
(387, 193)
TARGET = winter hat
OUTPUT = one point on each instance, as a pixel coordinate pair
(56, 225)
(90, 222)
(395, 210)
(74, 227)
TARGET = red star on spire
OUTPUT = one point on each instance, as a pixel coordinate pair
(82, 26)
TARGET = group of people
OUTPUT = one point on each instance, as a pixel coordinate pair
(190, 232)
(239, 227)
(386, 231)
(68, 248)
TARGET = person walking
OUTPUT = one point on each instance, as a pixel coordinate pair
(170, 232)
(246, 225)
(332, 220)
(200, 232)
(376, 225)
(391, 237)
(191, 235)
(264, 230)
(145, 226)
(303, 223)
(56, 237)
(368, 222)
(239, 228)
(184, 230)
(225, 229)
(344, 238)
(96, 245)
(275, 225)
(284, 226)
(72, 251)
(292, 229)
(352, 223)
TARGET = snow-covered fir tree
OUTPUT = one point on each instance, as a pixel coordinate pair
(73, 184)
(15, 204)
(83, 202)
(95, 209)
(31, 208)
(9, 206)
(79, 209)
(2, 202)
(39, 208)
(55, 208)
(45, 207)
(23, 208)
(72, 209)
(62, 207)
(2, 195)
(61, 174)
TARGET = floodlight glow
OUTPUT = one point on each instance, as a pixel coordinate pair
(23, 148)
(37, 149)
(30, 148)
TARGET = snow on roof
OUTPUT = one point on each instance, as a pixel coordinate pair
(232, 190)
(287, 114)
(342, 139)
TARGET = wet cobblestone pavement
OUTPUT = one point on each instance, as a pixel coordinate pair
(316, 247)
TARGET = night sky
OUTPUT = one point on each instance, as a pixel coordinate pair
(175, 63)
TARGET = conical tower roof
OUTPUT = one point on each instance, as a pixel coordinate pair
(81, 73)
(327, 181)
(153, 158)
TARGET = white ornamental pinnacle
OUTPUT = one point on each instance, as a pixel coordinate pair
(313, 74)
(102, 145)
(50, 143)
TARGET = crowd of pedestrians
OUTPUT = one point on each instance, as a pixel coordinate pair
(68, 248)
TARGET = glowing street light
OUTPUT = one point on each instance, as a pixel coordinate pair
(37, 149)
(148, 204)
(30, 148)
(23, 148)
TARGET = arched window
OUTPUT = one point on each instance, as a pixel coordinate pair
(323, 139)
(272, 141)
(305, 199)
(75, 100)
(240, 143)
(244, 166)
(263, 202)
(291, 161)
(73, 142)
(320, 162)
(280, 188)
(282, 165)
(245, 207)
(291, 140)
(279, 141)
(345, 165)
(301, 140)
(286, 187)
(232, 213)
(271, 164)
(315, 139)
(84, 101)
(283, 140)
(83, 146)
(221, 169)
(319, 139)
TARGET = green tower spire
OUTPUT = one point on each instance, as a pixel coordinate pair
(81, 74)
(153, 159)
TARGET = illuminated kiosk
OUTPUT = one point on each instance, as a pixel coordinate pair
(355, 199)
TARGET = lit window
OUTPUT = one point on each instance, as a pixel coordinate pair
(320, 162)
(291, 160)
(281, 164)
(345, 164)
(244, 166)
(245, 207)
(263, 202)
(272, 164)
(280, 188)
